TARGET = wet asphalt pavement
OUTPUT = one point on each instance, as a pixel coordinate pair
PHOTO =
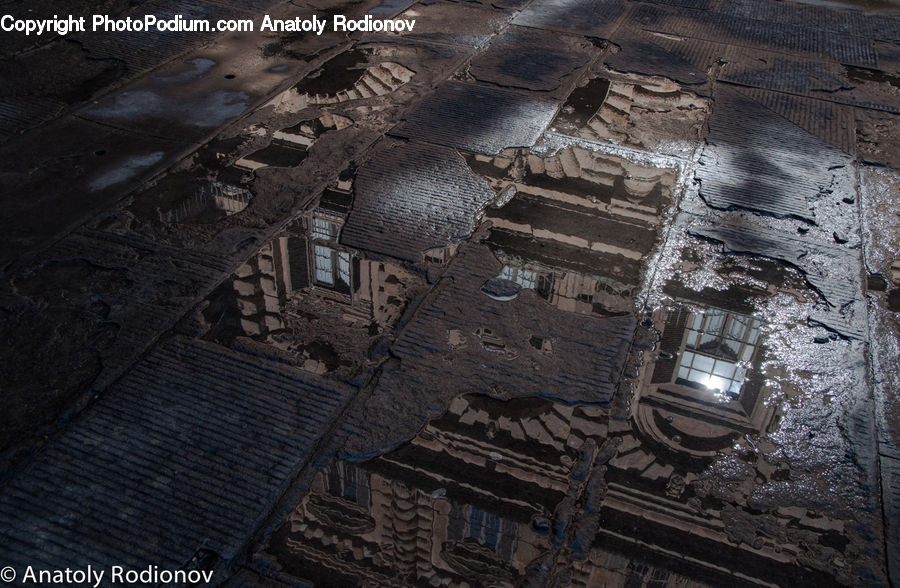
(547, 293)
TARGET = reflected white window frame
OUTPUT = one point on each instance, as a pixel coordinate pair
(712, 373)
(331, 265)
(343, 266)
(323, 229)
(524, 277)
(700, 364)
(324, 264)
(736, 331)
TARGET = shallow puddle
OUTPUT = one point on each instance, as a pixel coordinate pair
(470, 501)
(307, 300)
(575, 226)
(354, 74)
(647, 113)
(529, 491)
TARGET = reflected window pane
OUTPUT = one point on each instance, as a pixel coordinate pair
(344, 267)
(697, 376)
(322, 229)
(714, 321)
(724, 369)
(738, 327)
(526, 278)
(491, 528)
(697, 322)
(710, 373)
(701, 362)
(692, 339)
(324, 267)
(747, 353)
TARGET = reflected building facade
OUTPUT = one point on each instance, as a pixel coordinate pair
(468, 502)
(532, 492)
(483, 496)
(536, 492)
(306, 299)
(309, 261)
(576, 225)
(704, 389)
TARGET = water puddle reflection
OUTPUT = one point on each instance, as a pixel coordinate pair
(575, 226)
(217, 182)
(702, 388)
(534, 492)
(307, 300)
(355, 74)
(654, 114)
(470, 501)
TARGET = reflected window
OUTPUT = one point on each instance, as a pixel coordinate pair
(484, 526)
(231, 199)
(471, 522)
(349, 482)
(545, 286)
(718, 346)
(713, 374)
(439, 255)
(523, 277)
(640, 574)
(324, 230)
(324, 267)
(343, 259)
(332, 268)
(723, 334)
